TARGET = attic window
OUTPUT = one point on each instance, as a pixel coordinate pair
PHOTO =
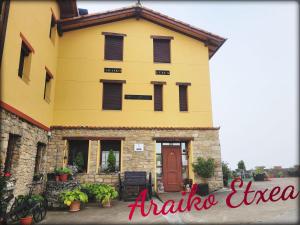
(161, 50)
(113, 46)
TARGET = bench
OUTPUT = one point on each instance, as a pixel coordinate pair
(133, 183)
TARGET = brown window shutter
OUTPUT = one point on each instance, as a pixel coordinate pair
(183, 98)
(112, 96)
(162, 50)
(158, 97)
(113, 47)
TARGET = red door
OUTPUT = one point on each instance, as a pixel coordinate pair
(172, 178)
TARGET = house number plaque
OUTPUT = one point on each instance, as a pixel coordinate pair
(162, 72)
(138, 147)
(112, 70)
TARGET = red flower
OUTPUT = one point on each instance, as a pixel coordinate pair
(7, 174)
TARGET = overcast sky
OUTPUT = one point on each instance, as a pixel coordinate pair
(254, 75)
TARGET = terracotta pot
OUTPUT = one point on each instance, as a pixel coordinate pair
(107, 204)
(75, 206)
(26, 220)
(57, 178)
(63, 177)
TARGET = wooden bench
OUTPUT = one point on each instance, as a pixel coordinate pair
(133, 183)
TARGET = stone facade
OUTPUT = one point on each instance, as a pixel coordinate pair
(205, 143)
(27, 137)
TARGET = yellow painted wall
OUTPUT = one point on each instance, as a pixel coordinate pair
(81, 63)
(32, 18)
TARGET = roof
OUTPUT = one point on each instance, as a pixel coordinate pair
(213, 41)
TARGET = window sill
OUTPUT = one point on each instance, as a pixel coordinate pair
(113, 60)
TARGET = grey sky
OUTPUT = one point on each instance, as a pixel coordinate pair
(254, 75)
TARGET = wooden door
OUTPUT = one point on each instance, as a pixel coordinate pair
(172, 178)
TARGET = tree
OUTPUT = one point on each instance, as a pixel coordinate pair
(226, 171)
(241, 165)
(111, 161)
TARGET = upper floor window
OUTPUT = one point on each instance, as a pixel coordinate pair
(112, 94)
(25, 59)
(183, 96)
(113, 46)
(162, 49)
(158, 95)
(47, 87)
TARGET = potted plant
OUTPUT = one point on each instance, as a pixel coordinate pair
(56, 172)
(27, 219)
(63, 173)
(73, 198)
(103, 193)
(106, 194)
(259, 174)
(205, 169)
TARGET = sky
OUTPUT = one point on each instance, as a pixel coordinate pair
(254, 75)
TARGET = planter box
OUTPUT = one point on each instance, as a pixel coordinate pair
(202, 189)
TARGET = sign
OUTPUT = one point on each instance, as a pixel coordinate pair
(162, 72)
(112, 70)
(138, 147)
(138, 97)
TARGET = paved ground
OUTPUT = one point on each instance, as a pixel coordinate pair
(279, 212)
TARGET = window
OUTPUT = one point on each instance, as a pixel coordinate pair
(47, 87)
(78, 154)
(183, 101)
(158, 97)
(112, 96)
(52, 28)
(24, 58)
(162, 53)
(106, 146)
(113, 47)
(39, 158)
(12, 153)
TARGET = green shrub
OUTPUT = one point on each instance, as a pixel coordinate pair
(226, 171)
(259, 170)
(79, 161)
(204, 168)
(101, 192)
(67, 197)
(111, 161)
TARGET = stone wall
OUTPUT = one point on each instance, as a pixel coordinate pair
(205, 143)
(25, 149)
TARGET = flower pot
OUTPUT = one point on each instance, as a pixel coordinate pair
(26, 220)
(202, 189)
(107, 204)
(57, 178)
(63, 177)
(75, 206)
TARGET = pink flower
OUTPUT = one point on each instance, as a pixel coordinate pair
(7, 174)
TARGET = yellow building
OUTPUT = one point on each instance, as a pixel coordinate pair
(74, 87)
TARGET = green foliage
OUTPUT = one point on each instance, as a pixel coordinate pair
(111, 161)
(259, 170)
(241, 165)
(204, 168)
(79, 161)
(280, 174)
(101, 192)
(226, 171)
(63, 170)
(67, 197)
